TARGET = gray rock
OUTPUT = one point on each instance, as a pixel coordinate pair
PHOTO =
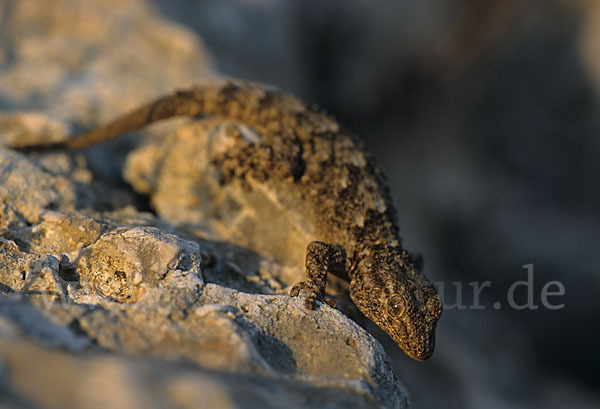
(138, 291)
(186, 191)
(96, 379)
(88, 61)
(86, 283)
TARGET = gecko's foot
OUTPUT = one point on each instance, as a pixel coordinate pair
(312, 296)
(320, 259)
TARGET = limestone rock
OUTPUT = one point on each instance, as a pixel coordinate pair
(88, 283)
(42, 376)
(185, 189)
(91, 60)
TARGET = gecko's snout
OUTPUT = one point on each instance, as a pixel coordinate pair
(421, 351)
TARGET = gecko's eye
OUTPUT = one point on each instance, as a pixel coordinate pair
(395, 306)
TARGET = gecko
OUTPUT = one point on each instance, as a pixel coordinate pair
(351, 207)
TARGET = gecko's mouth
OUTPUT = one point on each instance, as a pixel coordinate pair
(418, 352)
(421, 349)
(418, 348)
(420, 355)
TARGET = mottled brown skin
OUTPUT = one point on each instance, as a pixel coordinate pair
(352, 209)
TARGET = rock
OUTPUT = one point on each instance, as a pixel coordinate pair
(104, 305)
(89, 61)
(35, 373)
(186, 191)
(26, 190)
(139, 292)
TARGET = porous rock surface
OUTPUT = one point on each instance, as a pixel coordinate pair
(104, 305)
(90, 291)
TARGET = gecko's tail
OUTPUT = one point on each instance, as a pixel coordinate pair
(234, 100)
(190, 103)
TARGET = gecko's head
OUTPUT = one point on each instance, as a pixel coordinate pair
(407, 307)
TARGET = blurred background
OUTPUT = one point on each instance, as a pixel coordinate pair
(484, 116)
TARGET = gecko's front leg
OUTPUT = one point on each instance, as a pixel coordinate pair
(321, 258)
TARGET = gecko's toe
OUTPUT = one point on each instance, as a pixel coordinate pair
(330, 301)
(309, 302)
(312, 295)
(295, 291)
